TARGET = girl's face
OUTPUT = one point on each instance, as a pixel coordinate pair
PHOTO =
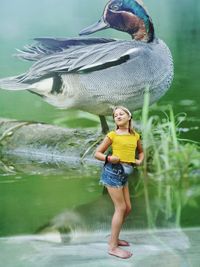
(121, 118)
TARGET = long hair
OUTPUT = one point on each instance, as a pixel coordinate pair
(130, 128)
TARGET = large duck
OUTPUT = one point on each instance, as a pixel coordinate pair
(95, 74)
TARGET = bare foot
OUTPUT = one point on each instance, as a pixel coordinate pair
(118, 252)
(123, 243)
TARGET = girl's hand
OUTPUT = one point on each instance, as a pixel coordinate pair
(138, 162)
(113, 159)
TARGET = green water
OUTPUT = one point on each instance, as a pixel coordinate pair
(69, 202)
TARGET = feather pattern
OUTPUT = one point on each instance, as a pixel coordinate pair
(48, 46)
(79, 58)
(94, 74)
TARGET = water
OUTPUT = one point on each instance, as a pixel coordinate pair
(51, 214)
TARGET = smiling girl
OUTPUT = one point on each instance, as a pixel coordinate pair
(118, 166)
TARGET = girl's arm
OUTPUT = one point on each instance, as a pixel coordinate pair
(99, 154)
(140, 153)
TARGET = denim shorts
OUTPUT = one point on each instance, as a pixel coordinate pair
(115, 175)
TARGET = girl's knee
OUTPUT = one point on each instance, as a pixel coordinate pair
(121, 208)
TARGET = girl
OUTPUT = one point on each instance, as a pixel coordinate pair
(124, 141)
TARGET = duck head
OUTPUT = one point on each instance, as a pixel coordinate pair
(125, 15)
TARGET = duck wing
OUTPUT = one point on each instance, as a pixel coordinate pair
(48, 46)
(82, 59)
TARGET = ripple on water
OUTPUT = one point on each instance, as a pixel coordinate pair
(8, 181)
(187, 102)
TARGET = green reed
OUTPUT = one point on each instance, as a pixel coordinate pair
(170, 164)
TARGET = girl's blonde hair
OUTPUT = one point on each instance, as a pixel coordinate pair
(130, 128)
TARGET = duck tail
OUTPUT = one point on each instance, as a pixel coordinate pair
(14, 83)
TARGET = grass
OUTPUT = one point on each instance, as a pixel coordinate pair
(171, 164)
(170, 172)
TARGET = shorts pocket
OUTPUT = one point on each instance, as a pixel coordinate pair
(114, 171)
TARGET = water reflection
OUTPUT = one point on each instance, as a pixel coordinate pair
(54, 213)
(57, 195)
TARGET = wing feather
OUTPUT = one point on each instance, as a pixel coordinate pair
(83, 58)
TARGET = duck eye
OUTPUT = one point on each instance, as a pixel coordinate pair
(115, 5)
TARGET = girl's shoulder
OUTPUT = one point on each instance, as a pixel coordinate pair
(111, 134)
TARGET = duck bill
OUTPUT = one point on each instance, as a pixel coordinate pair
(100, 25)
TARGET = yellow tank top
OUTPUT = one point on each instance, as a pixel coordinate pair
(124, 146)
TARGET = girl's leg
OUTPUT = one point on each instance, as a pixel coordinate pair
(127, 200)
(117, 196)
(128, 210)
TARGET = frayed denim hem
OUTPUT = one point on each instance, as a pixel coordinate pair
(113, 186)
